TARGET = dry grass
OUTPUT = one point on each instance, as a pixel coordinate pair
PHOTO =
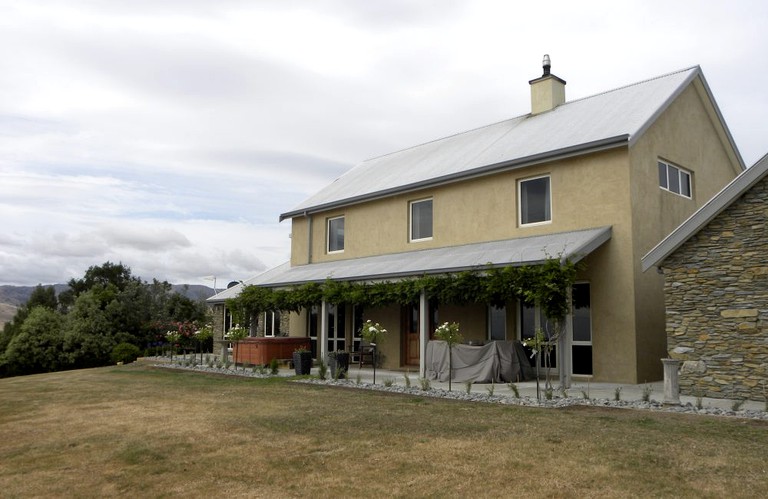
(142, 432)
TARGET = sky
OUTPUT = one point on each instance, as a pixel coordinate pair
(170, 135)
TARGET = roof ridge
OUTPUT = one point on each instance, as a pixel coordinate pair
(659, 77)
(666, 75)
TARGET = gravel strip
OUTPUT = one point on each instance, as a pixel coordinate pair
(556, 402)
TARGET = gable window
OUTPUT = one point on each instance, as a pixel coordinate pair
(335, 235)
(674, 179)
(535, 200)
(421, 220)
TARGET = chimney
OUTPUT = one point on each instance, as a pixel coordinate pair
(548, 91)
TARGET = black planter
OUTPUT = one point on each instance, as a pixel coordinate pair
(302, 362)
(339, 361)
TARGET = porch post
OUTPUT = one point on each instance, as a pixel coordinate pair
(566, 345)
(323, 336)
(423, 333)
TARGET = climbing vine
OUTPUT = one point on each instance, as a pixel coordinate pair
(546, 284)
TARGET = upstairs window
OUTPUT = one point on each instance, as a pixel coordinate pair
(674, 179)
(421, 220)
(535, 201)
(336, 235)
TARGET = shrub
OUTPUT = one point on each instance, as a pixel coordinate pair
(125, 353)
(274, 367)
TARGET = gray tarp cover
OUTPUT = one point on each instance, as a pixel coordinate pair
(497, 361)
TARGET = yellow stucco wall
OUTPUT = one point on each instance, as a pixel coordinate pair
(689, 135)
(617, 188)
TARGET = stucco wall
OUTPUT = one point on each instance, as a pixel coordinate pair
(587, 191)
(716, 293)
(688, 135)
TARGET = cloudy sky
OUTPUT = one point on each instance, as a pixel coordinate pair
(170, 135)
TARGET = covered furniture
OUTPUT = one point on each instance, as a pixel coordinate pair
(496, 361)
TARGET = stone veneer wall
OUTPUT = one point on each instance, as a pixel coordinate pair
(716, 293)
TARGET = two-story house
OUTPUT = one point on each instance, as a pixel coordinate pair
(601, 179)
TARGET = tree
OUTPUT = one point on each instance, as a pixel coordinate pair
(372, 333)
(450, 334)
(42, 296)
(88, 334)
(108, 273)
(39, 345)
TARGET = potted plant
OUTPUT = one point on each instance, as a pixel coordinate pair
(339, 362)
(302, 361)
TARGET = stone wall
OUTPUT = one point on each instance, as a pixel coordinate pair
(716, 293)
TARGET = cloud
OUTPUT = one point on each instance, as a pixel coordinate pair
(171, 135)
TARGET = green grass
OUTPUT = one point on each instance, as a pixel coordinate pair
(138, 431)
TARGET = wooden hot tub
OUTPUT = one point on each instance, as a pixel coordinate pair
(259, 351)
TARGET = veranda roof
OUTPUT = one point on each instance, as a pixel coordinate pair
(533, 250)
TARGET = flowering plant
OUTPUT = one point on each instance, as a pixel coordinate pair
(204, 333)
(372, 332)
(173, 337)
(449, 333)
(236, 333)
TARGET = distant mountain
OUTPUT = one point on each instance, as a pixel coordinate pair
(12, 297)
(18, 295)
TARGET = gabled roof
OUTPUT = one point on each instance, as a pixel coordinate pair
(573, 245)
(611, 119)
(722, 200)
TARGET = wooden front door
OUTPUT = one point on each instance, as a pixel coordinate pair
(410, 334)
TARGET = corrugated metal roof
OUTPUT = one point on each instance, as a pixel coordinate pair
(719, 202)
(616, 117)
(573, 245)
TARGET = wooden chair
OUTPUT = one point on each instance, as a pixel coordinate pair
(365, 354)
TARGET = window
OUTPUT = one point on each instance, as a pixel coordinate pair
(497, 323)
(271, 323)
(337, 333)
(421, 220)
(674, 179)
(532, 318)
(535, 201)
(581, 350)
(335, 234)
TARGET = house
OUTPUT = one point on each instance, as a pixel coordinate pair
(599, 180)
(716, 291)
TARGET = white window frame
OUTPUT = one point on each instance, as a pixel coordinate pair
(584, 343)
(328, 235)
(520, 201)
(681, 174)
(270, 318)
(410, 220)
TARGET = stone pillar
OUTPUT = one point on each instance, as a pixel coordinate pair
(671, 381)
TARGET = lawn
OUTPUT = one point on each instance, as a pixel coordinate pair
(144, 432)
